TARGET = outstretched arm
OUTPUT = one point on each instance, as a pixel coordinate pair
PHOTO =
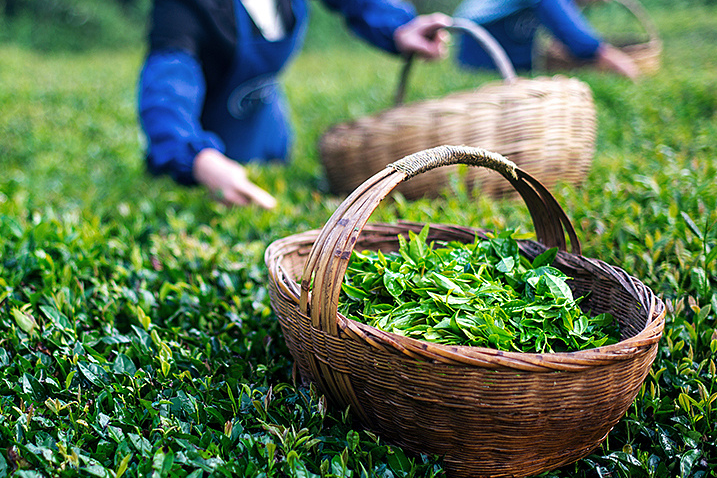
(564, 19)
(394, 27)
(172, 89)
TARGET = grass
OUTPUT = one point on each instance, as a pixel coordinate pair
(137, 336)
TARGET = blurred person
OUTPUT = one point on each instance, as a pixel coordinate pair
(209, 97)
(514, 23)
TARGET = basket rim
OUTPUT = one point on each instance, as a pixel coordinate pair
(653, 44)
(513, 91)
(625, 349)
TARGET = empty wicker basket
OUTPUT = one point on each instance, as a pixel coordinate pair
(488, 413)
(545, 125)
(645, 50)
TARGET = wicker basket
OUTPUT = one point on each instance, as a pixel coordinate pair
(545, 125)
(645, 51)
(488, 413)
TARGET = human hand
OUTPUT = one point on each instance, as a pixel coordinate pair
(612, 59)
(424, 35)
(227, 180)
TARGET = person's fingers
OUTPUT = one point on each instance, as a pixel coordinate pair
(258, 196)
(243, 192)
(424, 36)
(433, 35)
(435, 21)
(437, 48)
(235, 200)
(610, 58)
(227, 181)
(249, 194)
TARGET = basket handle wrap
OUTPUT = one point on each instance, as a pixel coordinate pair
(481, 35)
(329, 257)
(423, 161)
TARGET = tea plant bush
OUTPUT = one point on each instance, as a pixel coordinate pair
(137, 336)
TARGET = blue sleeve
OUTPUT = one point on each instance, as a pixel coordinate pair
(171, 95)
(568, 25)
(374, 20)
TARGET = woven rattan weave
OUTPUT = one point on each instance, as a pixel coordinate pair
(645, 52)
(545, 125)
(488, 413)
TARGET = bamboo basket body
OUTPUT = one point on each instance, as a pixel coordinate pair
(546, 126)
(487, 420)
(646, 52)
(488, 413)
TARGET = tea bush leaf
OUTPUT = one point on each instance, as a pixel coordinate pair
(25, 321)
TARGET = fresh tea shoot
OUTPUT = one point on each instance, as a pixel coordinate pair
(482, 294)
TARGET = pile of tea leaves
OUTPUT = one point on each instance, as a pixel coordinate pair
(482, 294)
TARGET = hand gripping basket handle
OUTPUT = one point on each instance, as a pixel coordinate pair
(481, 35)
(327, 262)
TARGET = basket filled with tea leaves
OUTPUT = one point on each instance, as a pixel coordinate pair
(505, 356)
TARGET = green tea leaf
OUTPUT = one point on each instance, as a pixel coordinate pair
(141, 444)
(445, 284)
(25, 321)
(693, 227)
(94, 373)
(354, 292)
(124, 365)
(417, 243)
(557, 287)
(393, 282)
(123, 465)
(57, 318)
(32, 387)
(546, 258)
(687, 461)
(163, 460)
(505, 265)
(398, 462)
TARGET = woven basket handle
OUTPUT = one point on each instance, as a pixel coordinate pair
(481, 35)
(329, 257)
(638, 10)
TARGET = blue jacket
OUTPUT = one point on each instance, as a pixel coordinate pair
(210, 78)
(513, 23)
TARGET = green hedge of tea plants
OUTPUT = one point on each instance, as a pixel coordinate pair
(136, 332)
